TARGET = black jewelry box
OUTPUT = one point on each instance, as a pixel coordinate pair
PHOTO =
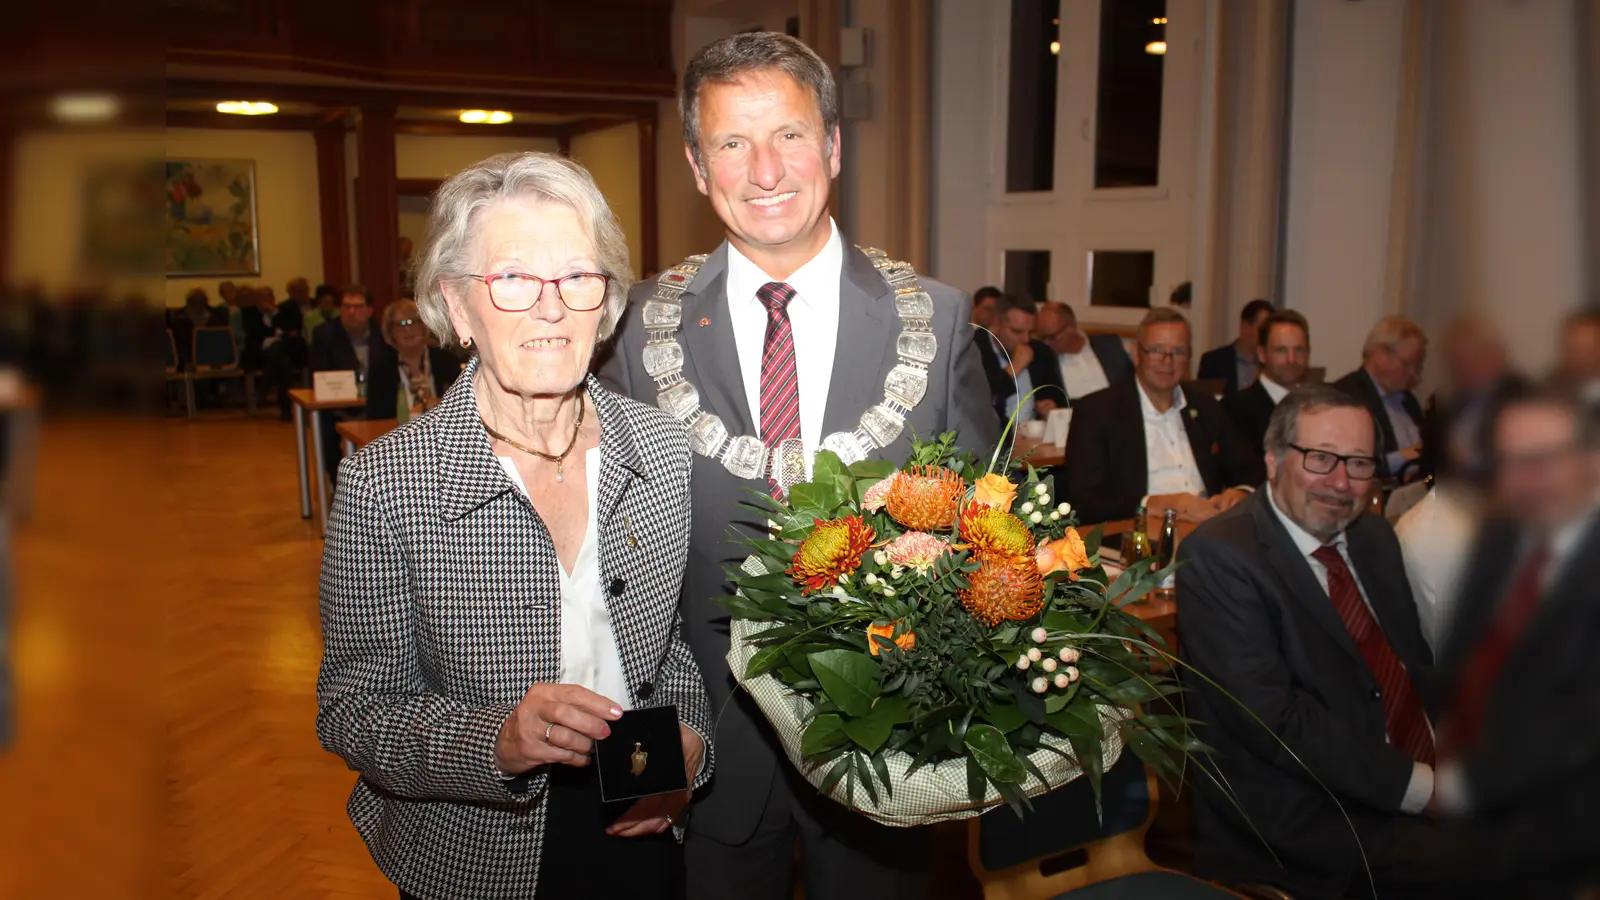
(643, 755)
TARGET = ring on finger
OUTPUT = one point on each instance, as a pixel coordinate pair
(669, 821)
(549, 726)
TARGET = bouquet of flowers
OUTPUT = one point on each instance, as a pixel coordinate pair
(933, 640)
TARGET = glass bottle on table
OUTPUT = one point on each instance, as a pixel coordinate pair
(1169, 539)
(1139, 539)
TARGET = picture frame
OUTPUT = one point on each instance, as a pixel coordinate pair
(211, 218)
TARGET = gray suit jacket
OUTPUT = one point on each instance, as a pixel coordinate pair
(441, 606)
(958, 398)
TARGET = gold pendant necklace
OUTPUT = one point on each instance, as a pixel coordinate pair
(561, 474)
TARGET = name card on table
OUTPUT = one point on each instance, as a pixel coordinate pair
(334, 385)
(1056, 427)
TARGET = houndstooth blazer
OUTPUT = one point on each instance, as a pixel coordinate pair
(441, 607)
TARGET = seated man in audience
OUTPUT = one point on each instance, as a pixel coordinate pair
(1391, 366)
(1458, 424)
(1519, 708)
(1001, 385)
(1032, 364)
(342, 345)
(1580, 351)
(1294, 607)
(1283, 347)
(1149, 441)
(1235, 363)
(1088, 362)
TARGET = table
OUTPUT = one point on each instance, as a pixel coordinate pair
(358, 433)
(1037, 452)
(305, 399)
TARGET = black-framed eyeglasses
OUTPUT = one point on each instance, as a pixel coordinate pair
(1322, 462)
(519, 291)
(1166, 352)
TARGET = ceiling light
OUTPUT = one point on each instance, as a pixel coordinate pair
(1159, 20)
(1055, 48)
(82, 108)
(247, 108)
(485, 116)
(1156, 48)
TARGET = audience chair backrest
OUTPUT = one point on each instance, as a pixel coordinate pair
(172, 352)
(1064, 819)
(214, 349)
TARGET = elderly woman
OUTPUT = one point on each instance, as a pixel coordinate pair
(501, 575)
(407, 375)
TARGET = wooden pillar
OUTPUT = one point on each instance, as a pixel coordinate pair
(8, 144)
(331, 201)
(908, 111)
(820, 22)
(649, 248)
(378, 206)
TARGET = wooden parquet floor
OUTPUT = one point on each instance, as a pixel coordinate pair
(166, 648)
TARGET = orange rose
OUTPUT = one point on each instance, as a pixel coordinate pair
(1065, 555)
(994, 491)
(904, 642)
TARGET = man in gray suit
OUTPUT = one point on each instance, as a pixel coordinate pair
(793, 341)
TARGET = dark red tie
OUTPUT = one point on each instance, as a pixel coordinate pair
(780, 382)
(1465, 722)
(1402, 711)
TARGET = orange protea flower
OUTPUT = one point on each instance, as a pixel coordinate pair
(926, 498)
(904, 642)
(834, 548)
(994, 490)
(1065, 555)
(1005, 588)
(995, 532)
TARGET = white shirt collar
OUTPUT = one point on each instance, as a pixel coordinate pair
(1307, 542)
(1568, 535)
(1274, 390)
(1179, 401)
(812, 282)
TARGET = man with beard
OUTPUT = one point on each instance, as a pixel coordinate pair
(1294, 606)
(1283, 347)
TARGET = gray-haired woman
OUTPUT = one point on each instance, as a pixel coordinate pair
(501, 574)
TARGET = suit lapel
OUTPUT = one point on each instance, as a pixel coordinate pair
(868, 327)
(1137, 457)
(1202, 434)
(1295, 571)
(712, 353)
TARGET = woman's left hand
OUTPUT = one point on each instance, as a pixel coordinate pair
(655, 814)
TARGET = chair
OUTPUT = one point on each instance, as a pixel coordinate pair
(176, 372)
(1216, 387)
(216, 356)
(1062, 850)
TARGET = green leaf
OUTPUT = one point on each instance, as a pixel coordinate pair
(834, 774)
(881, 767)
(871, 731)
(765, 660)
(1057, 702)
(874, 469)
(849, 678)
(977, 782)
(1091, 541)
(1005, 717)
(823, 734)
(993, 754)
(865, 774)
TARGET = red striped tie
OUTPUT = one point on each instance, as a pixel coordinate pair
(1402, 711)
(780, 382)
(1463, 725)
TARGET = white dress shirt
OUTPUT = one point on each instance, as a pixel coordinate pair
(1435, 536)
(1025, 395)
(813, 319)
(1407, 433)
(1169, 458)
(1274, 390)
(1082, 372)
(588, 645)
(1420, 789)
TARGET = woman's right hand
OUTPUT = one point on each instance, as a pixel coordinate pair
(572, 717)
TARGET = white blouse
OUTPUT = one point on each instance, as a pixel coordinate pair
(588, 646)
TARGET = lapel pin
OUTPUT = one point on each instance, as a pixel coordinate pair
(633, 541)
(1194, 413)
(704, 322)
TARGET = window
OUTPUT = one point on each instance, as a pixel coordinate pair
(1127, 134)
(1031, 117)
(1121, 277)
(1028, 272)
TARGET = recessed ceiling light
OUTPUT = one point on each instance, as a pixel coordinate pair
(81, 108)
(1159, 20)
(485, 116)
(1156, 48)
(1055, 48)
(247, 107)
